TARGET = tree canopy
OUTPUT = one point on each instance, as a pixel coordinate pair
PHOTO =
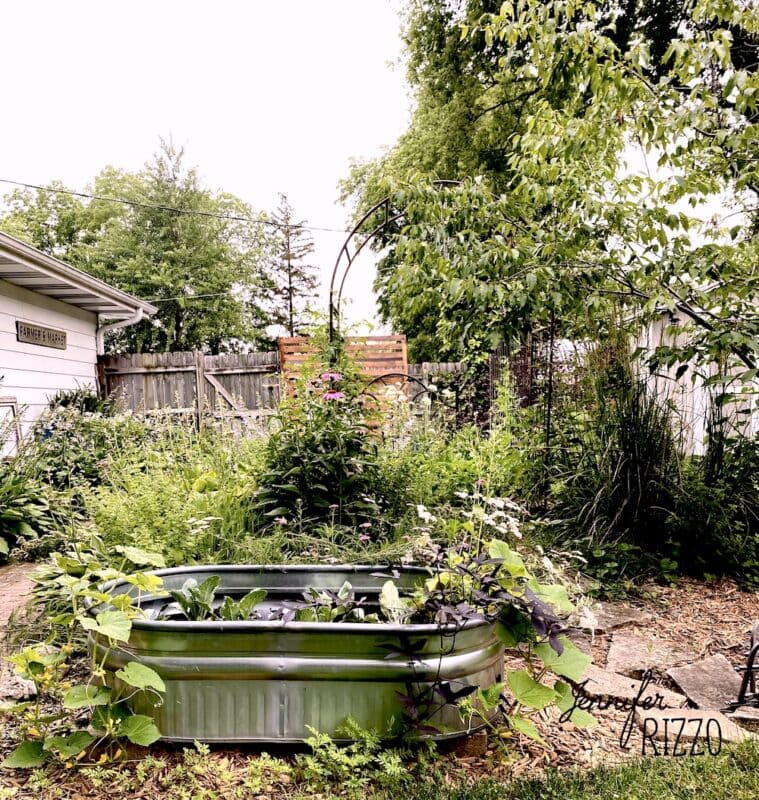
(562, 225)
(200, 256)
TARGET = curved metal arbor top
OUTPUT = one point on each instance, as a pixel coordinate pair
(346, 257)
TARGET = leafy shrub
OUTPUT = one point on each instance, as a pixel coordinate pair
(438, 465)
(70, 446)
(84, 399)
(25, 513)
(185, 494)
(714, 527)
(321, 461)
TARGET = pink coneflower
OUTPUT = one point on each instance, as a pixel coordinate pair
(280, 520)
(364, 538)
(365, 525)
(331, 376)
(333, 395)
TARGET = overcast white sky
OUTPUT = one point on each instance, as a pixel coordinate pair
(266, 97)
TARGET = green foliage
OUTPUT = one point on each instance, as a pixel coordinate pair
(182, 493)
(562, 94)
(354, 769)
(321, 461)
(714, 526)
(205, 270)
(619, 471)
(75, 581)
(24, 510)
(69, 447)
(196, 599)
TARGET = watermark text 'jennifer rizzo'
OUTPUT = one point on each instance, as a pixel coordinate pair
(690, 728)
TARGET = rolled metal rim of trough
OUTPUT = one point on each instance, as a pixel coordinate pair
(245, 626)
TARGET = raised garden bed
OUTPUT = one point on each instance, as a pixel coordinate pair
(268, 681)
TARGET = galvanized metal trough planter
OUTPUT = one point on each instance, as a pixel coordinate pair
(263, 682)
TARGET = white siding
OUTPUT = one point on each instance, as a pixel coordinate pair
(691, 399)
(32, 373)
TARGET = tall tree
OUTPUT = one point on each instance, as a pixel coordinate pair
(572, 226)
(295, 280)
(198, 255)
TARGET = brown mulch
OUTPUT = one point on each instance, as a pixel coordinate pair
(702, 618)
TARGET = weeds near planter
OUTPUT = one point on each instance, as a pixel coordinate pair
(75, 580)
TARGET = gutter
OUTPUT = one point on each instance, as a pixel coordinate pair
(138, 316)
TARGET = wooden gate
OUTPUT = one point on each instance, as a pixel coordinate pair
(240, 385)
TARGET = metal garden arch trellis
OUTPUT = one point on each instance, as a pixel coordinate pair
(346, 257)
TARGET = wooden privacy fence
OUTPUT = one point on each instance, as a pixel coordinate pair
(374, 355)
(238, 385)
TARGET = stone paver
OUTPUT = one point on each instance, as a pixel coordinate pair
(15, 590)
(688, 725)
(710, 683)
(605, 617)
(600, 683)
(13, 687)
(632, 655)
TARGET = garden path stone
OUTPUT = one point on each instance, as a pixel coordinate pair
(599, 683)
(688, 724)
(710, 683)
(15, 590)
(632, 655)
(12, 686)
(747, 717)
(608, 616)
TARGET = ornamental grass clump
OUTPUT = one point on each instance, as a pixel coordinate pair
(322, 459)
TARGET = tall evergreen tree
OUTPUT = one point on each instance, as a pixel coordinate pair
(295, 280)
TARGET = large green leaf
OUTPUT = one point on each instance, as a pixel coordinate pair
(140, 729)
(115, 625)
(141, 677)
(528, 691)
(69, 746)
(566, 700)
(85, 695)
(26, 756)
(527, 727)
(554, 594)
(571, 664)
(511, 560)
(141, 558)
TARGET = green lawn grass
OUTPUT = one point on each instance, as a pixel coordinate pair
(732, 775)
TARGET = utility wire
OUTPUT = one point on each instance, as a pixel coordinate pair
(188, 212)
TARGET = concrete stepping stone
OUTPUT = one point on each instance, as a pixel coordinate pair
(601, 684)
(15, 590)
(12, 686)
(710, 683)
(747, 717)
(632, 655)
(608, 616)
(708, 730)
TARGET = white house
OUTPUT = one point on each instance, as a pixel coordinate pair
(52, 321)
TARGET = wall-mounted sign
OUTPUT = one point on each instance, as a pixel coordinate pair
(37, 334)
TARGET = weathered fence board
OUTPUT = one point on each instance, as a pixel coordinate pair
(238, 385)
(191, 382)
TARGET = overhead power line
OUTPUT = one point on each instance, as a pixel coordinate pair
(186, 211)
